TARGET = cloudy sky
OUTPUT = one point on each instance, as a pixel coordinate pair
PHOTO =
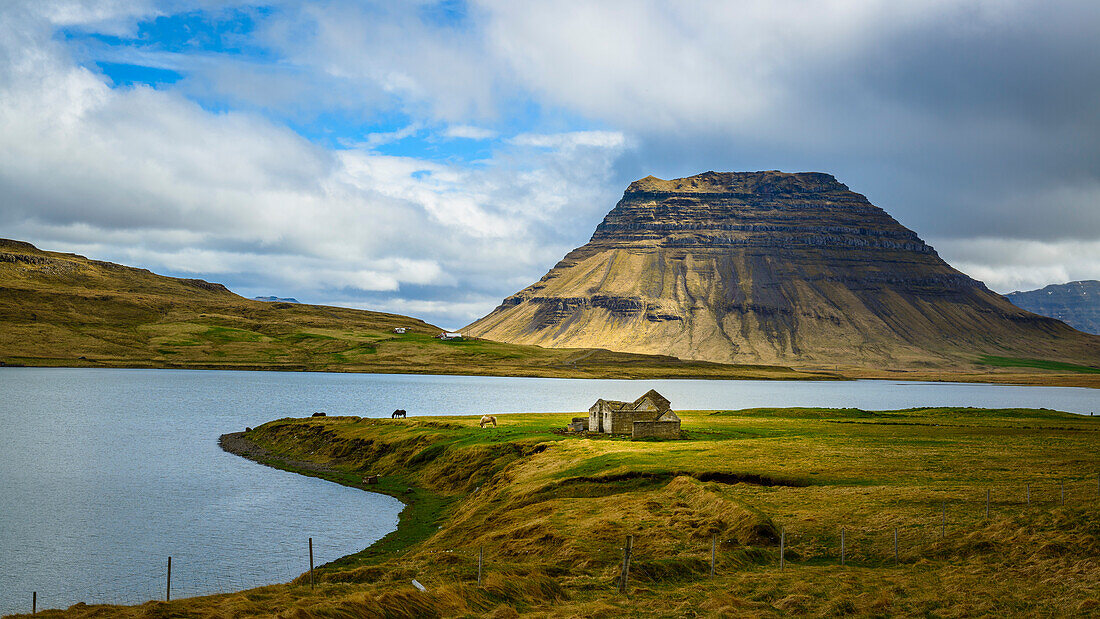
(430, 158)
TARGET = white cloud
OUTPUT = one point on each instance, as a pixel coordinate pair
(469, 132)
(573, 139)
(149, 178)
(1007, 265)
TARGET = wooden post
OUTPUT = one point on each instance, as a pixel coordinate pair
(713, 546)
(480, 559)
(34, 602)
(168, 589)
(987, 503)
(1029, 495)
(311, 563)
(782, 546)
(943, 522)
(626, 563)
(895, 545)
(842, 545)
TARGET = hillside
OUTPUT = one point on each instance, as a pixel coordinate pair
(66, 310)
(770, 267)
(1077, 303)
(552, 511)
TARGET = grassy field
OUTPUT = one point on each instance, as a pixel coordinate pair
(1016, 362)
(552, 512)
(66, 310)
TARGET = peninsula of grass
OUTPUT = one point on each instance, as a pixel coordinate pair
(551, 512)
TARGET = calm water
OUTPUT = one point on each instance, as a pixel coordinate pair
(105, 473)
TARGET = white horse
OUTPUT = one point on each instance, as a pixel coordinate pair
(488, 419)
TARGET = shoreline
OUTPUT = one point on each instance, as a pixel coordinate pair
(1022, 379)
(420, 506)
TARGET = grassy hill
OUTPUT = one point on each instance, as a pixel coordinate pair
(66, 310)
(552, 511)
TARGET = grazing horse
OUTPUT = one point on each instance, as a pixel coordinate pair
(398, 413)
(488, 419)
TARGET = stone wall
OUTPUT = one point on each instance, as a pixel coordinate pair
(656, 429)
(619, 422)
(595, 419)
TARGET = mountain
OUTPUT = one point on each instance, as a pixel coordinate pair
(61, 309)
(276, 299)
(1076, 303)
(770, 267)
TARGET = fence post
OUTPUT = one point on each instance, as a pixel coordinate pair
(1029, 495)
(842, 545)
(311, 563)
(943, 522)
(713, 547)
(987, 503)
(626, 563)
(480, 559)
(168, 588)
(34, 602)
(782, 546)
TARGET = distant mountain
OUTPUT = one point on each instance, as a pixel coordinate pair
(1077, 303)
(770, 267)
(66, 310)
(275, 299)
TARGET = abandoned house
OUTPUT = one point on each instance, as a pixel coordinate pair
(650, 416)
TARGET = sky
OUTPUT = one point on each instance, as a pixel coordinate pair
(431, 158)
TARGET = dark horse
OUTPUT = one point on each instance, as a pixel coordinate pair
(398, 413)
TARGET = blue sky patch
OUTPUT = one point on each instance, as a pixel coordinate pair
(131, 74)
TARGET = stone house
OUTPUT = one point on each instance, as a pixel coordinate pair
(650, 416)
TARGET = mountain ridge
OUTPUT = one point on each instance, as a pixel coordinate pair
(1075, 303)
(62, 309)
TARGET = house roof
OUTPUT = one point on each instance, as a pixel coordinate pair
(661, 402)
(669, 416)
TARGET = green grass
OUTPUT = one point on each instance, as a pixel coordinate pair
(1042, 364)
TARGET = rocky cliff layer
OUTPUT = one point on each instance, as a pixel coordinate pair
(769, 267)
(1075, 303)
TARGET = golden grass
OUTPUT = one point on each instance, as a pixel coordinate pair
(552, 512)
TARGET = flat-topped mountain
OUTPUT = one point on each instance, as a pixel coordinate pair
(1075, 303)
(769, 267)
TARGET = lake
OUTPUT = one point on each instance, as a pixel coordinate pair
(105, 473)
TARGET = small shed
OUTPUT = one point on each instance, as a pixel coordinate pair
(447, 335)
(650, 416)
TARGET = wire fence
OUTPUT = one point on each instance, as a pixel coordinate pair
(189, 577)
(852, 543)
